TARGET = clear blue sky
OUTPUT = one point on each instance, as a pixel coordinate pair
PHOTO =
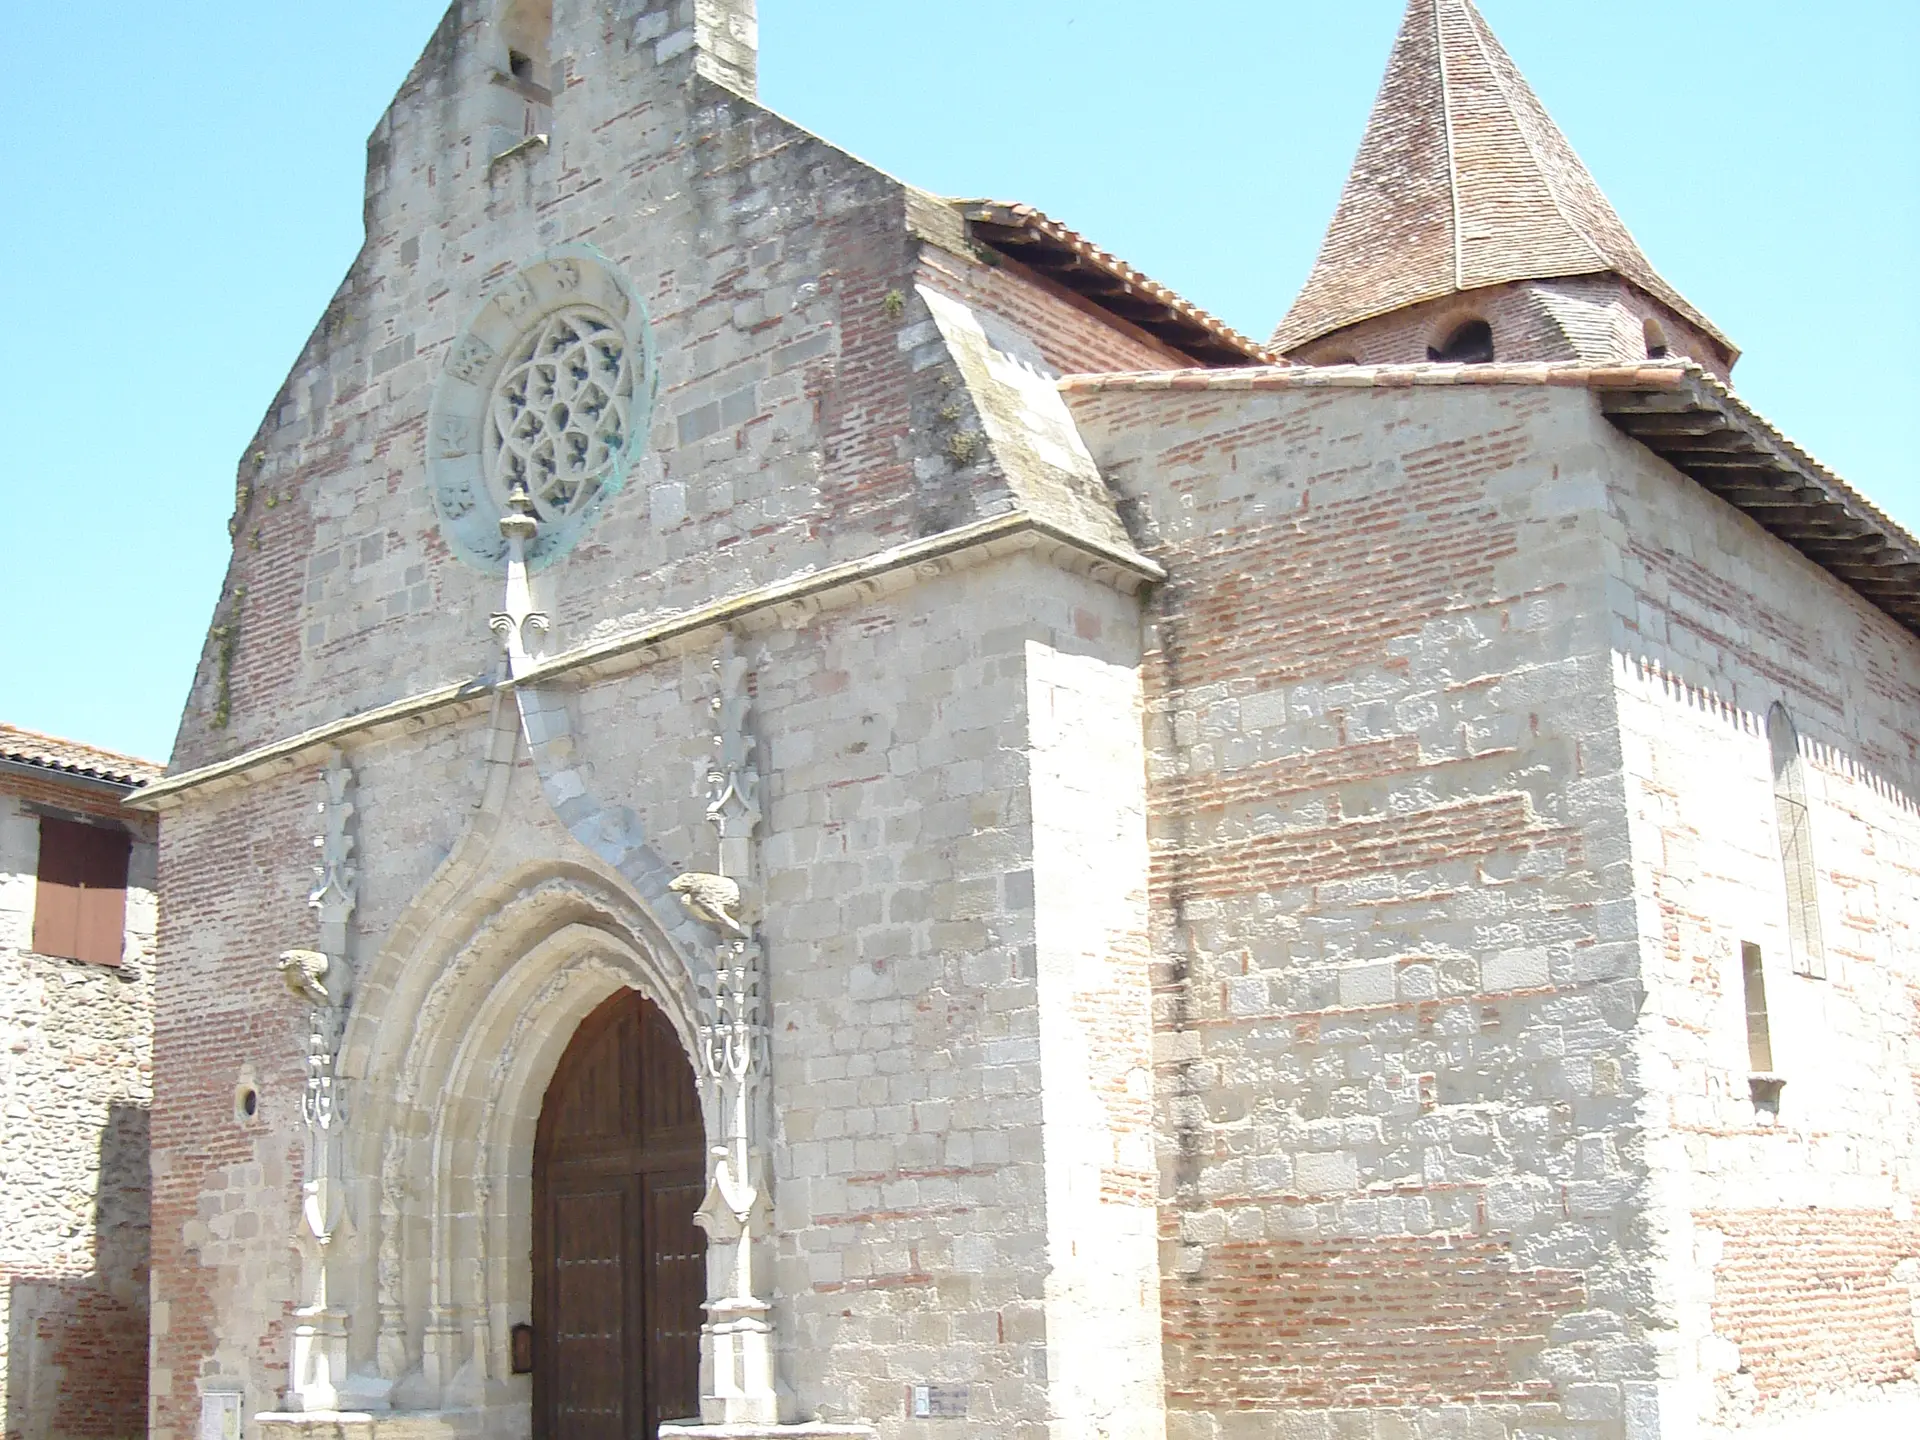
(183, 183)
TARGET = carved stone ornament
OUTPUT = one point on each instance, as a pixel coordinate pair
(548, 393)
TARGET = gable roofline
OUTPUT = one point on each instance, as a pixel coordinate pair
(1462, 181)
(1680, 412)
(1057, 253)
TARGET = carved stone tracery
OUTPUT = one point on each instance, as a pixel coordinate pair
(558, 422)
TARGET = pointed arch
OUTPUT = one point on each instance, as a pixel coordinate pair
(1794, 820)
(450, 1102)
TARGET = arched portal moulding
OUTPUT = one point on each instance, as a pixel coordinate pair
(470, 1036)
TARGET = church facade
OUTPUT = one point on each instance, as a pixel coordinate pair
(816, 810)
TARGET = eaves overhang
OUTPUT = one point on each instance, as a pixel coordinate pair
(1701, 428)
(1054, 252)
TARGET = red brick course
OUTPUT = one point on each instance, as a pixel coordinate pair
(1400, 1321)
(222, 1007)
(1810, 1297)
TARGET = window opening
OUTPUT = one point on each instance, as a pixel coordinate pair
(1794, 819)
(1753, 979)
(1656, 338)
(526, 29)
(1470, 344)
(1763, 1085)
(80, 895)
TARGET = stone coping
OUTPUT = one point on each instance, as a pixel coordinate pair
(807, 593)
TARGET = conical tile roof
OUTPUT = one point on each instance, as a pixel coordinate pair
(1463, 180)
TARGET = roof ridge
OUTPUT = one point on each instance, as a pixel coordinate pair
(1453, 151)
(1482, 32)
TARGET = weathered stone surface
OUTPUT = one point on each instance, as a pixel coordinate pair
(1248, 877)
(75, 1095)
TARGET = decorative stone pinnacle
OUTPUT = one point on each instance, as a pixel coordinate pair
(519, 522)
(518, 624)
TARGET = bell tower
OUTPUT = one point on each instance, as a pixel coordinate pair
(1470, 232)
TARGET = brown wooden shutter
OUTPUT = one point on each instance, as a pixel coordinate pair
(80, 903)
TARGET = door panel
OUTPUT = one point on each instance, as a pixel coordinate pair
(619, 1266)
(676, 1290)
(590, 1289)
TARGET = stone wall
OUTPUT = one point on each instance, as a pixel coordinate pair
(1463, 807)
(75, 1093)
(1395, 969)
(1796, 1239)
(961, 1068)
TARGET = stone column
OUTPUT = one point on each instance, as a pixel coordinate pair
(324, 978)
(736, 1359)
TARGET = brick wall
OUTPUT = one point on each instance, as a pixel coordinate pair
(226, 1184)
(75, 1087)
(1594, 319)
(1393, 957)
(1790, 1232)
(1815, 1299)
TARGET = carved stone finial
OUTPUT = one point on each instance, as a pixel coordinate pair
(517, 623)
(519, 522)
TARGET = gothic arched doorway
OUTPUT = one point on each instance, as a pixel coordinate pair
(619, 1267)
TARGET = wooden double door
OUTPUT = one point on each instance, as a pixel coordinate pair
(619, 1267)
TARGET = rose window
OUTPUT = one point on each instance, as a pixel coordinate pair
(558, 421)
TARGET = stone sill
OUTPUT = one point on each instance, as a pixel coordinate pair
(450, 1424)
(358, 1425)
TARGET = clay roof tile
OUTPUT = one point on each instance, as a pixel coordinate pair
(1462, 181)
(71, 758)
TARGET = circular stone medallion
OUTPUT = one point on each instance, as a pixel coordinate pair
(550, 386)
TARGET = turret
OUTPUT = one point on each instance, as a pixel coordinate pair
(1469, 230)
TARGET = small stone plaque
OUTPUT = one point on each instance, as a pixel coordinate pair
(219, 1415)
(937, 1402)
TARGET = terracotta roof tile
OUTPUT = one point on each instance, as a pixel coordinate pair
(1462, 181)
(70, 757)
(1068, 258)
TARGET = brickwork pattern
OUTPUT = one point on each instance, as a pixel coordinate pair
(1392, 971)
(1787, 1232)
(1812, 1299)
(1345, 1324)
(226, 1183)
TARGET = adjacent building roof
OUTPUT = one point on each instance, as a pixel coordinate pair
(69, 758)
(1050, 249)
(1681, 413)
(1462, 181)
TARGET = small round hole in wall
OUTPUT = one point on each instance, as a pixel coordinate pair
(246, 1102)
